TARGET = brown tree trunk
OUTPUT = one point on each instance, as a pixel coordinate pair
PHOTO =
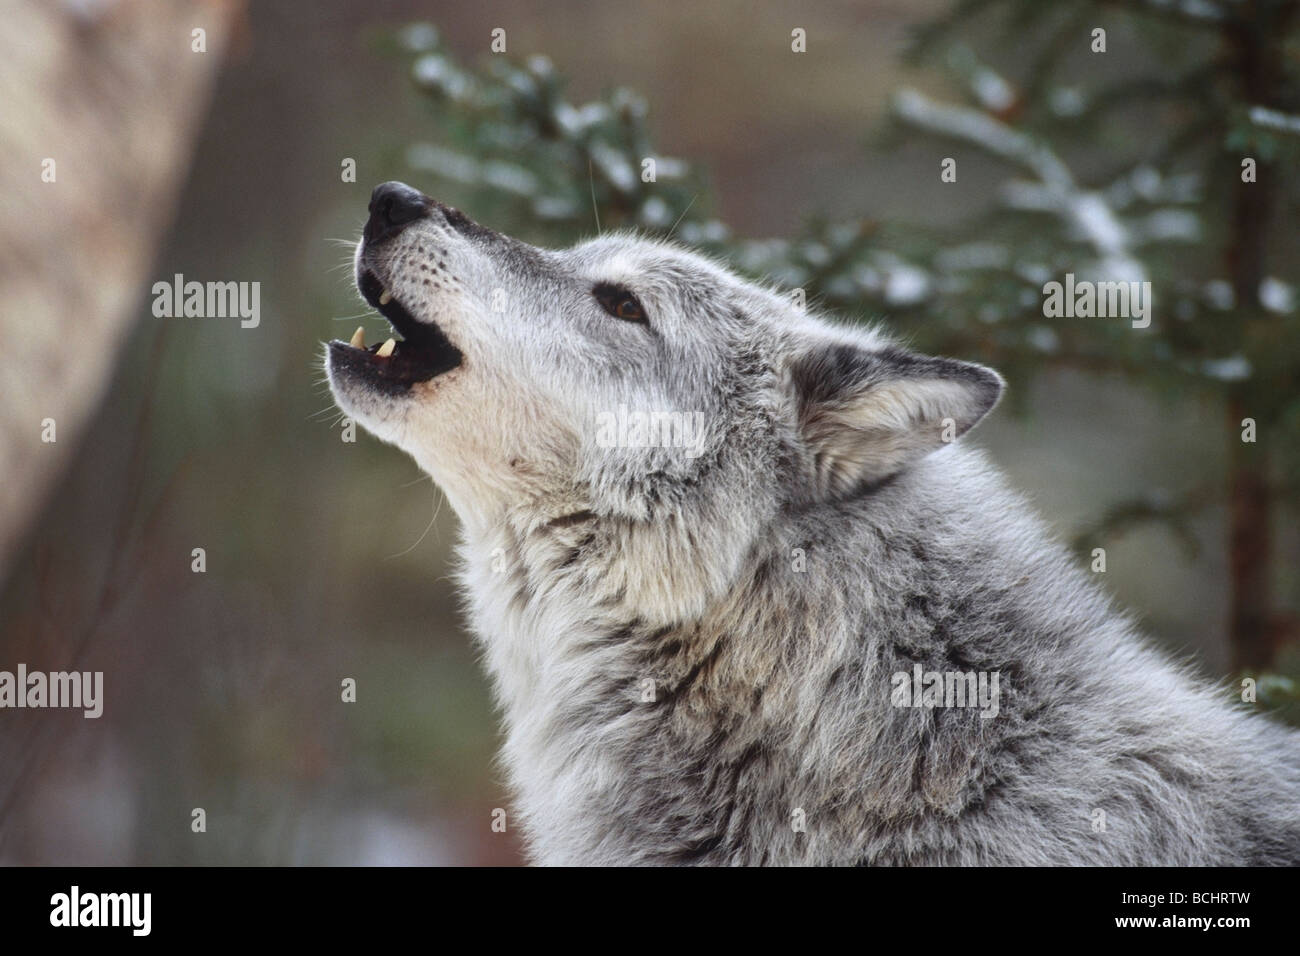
(102, 103)
(1255, 58)
(1249, 549)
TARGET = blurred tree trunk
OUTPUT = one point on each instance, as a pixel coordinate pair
(1250, 621)
(1254, 49)
(102, 102)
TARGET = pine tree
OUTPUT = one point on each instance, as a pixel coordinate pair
(1137, 141)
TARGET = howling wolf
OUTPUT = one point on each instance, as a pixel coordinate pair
(744, 596)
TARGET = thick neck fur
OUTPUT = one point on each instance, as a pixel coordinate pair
(678, 692)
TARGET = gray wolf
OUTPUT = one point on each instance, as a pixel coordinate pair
(819, 628)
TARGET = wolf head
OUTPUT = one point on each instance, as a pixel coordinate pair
(626, 378)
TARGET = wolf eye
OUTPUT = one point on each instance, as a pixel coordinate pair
(619, 302)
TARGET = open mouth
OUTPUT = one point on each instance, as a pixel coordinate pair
(422, 353)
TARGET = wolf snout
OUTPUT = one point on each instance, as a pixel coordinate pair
(394, 206)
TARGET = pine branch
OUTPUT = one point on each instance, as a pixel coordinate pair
(1200, 13)
(1055, 191)
(1156, 507)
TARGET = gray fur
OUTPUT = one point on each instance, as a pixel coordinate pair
(693, 656)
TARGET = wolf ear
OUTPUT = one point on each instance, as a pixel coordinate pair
(867, 414)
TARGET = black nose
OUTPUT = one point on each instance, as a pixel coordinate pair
(394, 206)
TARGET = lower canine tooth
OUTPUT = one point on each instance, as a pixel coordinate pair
(358, 338)
(386, 349)
(386, 298)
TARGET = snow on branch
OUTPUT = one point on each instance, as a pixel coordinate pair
(1088, 214)
(1275, 119)
(1191, 11)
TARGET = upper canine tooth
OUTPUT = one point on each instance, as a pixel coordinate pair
(386, 298)
(358, 338)
(386, 349)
